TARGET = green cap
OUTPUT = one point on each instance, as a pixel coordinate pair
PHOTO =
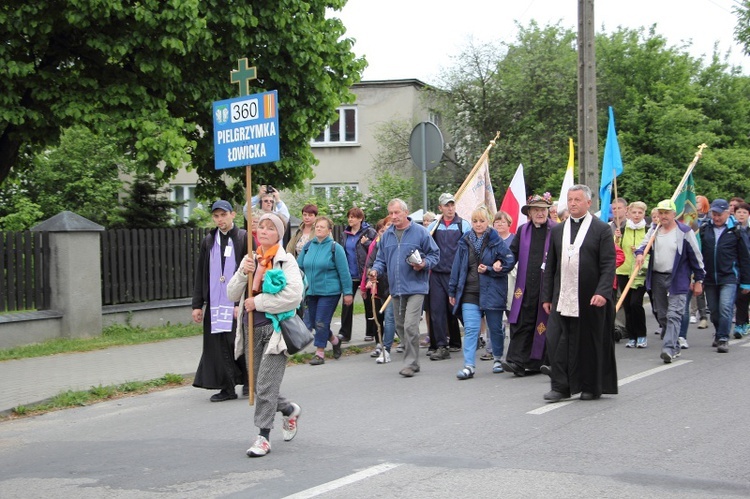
(666, 205)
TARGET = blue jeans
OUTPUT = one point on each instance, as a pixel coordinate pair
(472, 318)
(497, 331)
(720, 298)
(318, 315)
(389, 327)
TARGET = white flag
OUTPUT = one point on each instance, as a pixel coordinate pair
(476, 191)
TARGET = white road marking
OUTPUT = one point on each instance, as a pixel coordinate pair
(552, 406)
(344, 481)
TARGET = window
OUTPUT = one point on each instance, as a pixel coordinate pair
(342, 131)
(184, 193)
(436, 119)
(330, 190)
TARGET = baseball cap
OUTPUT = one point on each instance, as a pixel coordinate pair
(446, 198)
(719, 206)
(666, 205)
(222, 205)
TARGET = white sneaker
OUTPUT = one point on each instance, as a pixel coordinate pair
(289, 426)
(384, 358)
(683, 343)
(260, 448)
(376, 352)
(693, 319)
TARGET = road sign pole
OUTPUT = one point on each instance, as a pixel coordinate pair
(423, 166)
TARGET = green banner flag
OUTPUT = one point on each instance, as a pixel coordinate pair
(686, 204)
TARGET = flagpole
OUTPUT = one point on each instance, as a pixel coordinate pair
(465, 185)
(460, 191)
(614, 182)
(636, 268)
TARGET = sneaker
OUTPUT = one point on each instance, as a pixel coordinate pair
(337, 350)
(683, 343)
(667, 358)
(400, 348)
(289, 426)
(317, 360)
(384, 358)
(497, 367)
(466, 373)
(746, 330)
(408, 371)
(441, 353)
(739, 330)
(369, 338)
(630, 344)
(376, 352)
(703, 324)
(454, 349)
(642, 342)
(722, 346)
(430, 351)
(260, 448)
(693, 319)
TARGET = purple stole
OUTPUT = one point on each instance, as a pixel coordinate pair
(221, 307)
(537, 348)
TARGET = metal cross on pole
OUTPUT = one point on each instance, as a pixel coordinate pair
(242, 76)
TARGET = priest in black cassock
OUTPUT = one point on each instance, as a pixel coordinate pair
(577, 293)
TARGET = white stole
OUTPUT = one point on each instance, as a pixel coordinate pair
(567, 302)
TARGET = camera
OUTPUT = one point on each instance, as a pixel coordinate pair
(270, 188)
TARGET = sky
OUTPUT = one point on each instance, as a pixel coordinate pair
(421, 38)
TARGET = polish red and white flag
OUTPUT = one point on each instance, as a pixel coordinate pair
(514, 199)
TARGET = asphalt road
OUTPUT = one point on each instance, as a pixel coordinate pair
(673, 431)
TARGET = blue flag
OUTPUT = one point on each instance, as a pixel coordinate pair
(611, 167)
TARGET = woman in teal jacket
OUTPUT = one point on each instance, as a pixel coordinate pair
(325, 266)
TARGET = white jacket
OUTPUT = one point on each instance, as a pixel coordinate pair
(285, 300)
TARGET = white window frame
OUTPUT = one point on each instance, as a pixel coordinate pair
(327, 142)
(188, 194)
(333, 187)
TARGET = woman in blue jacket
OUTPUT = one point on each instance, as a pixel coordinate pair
(479, 286)
(324, 264)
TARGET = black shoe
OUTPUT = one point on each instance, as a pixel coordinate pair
(317, 360)
(222, 396)
(514, 368)
(441, 353)
(245, 390)
(337, 350)
(589, 396)
(547, 370)
(342, 339)
(553, 396)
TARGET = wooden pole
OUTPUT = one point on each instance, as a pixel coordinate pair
(636, 268)
(250, 347)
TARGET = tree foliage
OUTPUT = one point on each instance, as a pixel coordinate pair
(81, 174)
(666, 104)
(148, 72)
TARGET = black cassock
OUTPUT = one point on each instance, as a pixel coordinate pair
(582, 350)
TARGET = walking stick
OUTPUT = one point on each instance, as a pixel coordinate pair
(636, 268)
(377, 325)
(250, 347)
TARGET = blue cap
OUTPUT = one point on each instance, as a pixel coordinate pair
(222, 205)
(719, 206)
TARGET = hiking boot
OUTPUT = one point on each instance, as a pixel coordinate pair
(441, 353)
(260, 448)
(289, 426)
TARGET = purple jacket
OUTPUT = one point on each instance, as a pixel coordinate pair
(688, 260)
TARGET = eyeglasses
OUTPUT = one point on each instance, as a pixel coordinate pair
(268, 200)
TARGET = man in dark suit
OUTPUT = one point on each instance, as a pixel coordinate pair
(577, 293)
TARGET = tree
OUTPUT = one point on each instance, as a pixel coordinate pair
(148, 205)
(148, 72)
(742, 30)
(81, 174)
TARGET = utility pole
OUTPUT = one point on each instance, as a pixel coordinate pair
(588, 149)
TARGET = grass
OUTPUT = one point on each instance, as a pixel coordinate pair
(115, 335)
(70, 398)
